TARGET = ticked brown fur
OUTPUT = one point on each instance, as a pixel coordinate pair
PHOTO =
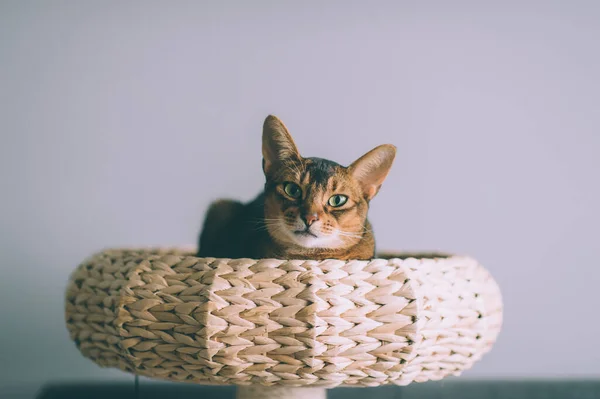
(310, 223)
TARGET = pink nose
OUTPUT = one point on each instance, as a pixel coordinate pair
(310, 218)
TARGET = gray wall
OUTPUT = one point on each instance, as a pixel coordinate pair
(120, 121)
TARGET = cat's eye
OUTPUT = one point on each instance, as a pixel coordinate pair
(293, 190)
(337, 200)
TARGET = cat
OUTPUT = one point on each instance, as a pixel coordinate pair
(310, 208)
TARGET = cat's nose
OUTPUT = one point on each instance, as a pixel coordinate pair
(310, 218)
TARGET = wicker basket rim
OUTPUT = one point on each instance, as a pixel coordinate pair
(190, 251)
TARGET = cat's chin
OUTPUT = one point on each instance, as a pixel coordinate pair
(313, 241)
(306, 241)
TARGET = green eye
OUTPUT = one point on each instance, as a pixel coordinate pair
(293, 190)
(337, 200)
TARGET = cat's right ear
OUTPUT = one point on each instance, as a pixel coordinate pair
(277, 144)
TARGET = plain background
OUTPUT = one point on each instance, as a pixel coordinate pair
(121, 120)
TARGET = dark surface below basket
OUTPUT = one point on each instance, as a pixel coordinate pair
(500, 389)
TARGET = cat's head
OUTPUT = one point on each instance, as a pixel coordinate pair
(313, 202)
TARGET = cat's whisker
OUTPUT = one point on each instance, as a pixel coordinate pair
(365, 230)
(347, 234)
(265, 224)
(351, 237)
(270, 223)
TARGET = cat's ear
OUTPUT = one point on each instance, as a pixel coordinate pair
(371, 169)
(277, 144)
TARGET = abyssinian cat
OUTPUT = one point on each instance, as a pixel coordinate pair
(311, 208)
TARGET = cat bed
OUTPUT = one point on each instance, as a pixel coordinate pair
(166, 314)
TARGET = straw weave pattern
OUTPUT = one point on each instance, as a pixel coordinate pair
(169, 315)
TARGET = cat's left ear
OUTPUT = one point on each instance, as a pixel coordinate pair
(371, 169)
(277, 144)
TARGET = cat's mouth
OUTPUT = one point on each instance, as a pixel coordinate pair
(305, 233)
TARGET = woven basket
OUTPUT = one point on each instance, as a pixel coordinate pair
(167, 314)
